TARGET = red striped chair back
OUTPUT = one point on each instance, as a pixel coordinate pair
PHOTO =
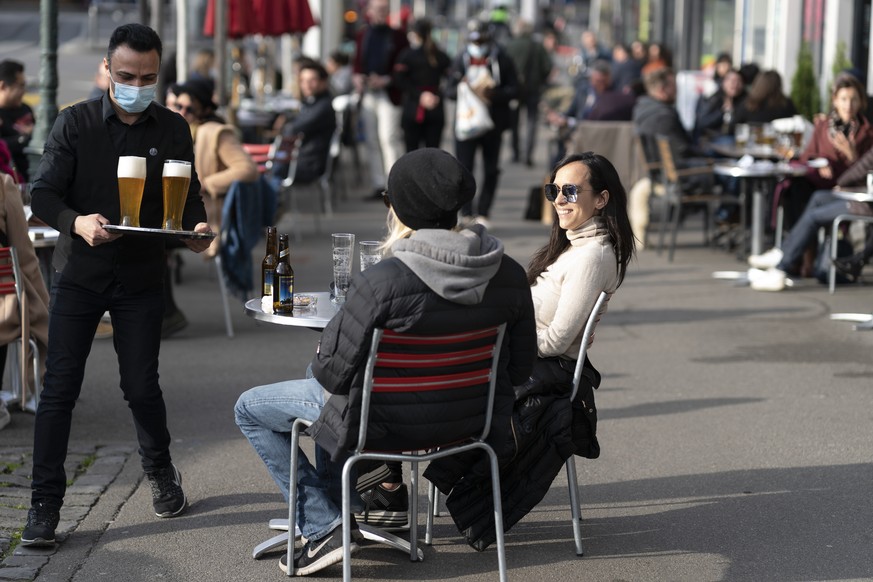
(419, 390)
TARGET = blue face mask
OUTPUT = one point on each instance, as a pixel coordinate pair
(134, 99)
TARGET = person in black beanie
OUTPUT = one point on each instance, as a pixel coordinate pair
(438, 280)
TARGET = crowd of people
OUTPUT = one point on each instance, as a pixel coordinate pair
(443, 271)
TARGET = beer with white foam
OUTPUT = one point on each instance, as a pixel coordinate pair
(131, 182)
(176, 179)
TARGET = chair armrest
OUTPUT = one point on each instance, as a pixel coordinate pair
(696, 171)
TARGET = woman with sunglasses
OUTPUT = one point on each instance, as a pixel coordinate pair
(588, 252)
(589, 248)
(219, 157)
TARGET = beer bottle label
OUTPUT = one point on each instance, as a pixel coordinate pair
(283, 294)
(268, 282)
(285, 252)
(286, 290)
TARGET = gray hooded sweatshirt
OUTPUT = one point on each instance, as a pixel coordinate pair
(455, 265)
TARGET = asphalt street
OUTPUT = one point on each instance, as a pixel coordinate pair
(735, 429)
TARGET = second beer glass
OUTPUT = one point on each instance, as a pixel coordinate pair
(131, 182)
(176, 179)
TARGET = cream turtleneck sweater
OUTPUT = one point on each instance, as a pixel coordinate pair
(566, 291)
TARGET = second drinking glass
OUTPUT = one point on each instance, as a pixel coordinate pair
(176, 179)
(371, 253)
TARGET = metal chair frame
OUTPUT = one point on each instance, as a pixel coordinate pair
(572, 482)
(675, 197)
(18, 382)
(835, 231)
(485, 357)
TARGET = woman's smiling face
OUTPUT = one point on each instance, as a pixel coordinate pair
(572, 215)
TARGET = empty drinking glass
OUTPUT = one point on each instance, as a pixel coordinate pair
(371, 253)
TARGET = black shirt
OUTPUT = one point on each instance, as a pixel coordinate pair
(78, 176)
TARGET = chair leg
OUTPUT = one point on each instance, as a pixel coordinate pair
(498, 512)
(32, 403)
(832, 269)
(432, 501)
(222, 287)
(666, 213)
(575, 512)
(292, 494)
(347, 511)
(677, 213)
(413, 512)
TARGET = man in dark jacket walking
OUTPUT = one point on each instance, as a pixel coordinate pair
(491, 74)
(438, 281)
(533, 65)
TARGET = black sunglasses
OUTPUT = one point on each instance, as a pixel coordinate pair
(385, 199)
(570, 191)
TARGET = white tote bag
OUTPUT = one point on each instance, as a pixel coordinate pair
(471, 116)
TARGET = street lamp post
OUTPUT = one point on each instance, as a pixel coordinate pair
(47, 110)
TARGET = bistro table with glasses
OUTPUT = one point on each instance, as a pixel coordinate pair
(758, 176)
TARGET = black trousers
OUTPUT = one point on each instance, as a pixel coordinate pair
(428, 134)
(530, 106)
(74, 315)
(465, 151)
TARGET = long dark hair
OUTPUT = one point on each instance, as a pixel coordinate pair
(423, 28)
(766, 92)
(601, 176)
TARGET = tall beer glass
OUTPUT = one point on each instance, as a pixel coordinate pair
(131, 182)
(176, 178)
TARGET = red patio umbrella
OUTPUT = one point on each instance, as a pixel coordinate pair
(267, 17)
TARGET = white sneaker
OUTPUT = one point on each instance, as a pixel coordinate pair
(483, 220)
(766, 260)
(769, 280)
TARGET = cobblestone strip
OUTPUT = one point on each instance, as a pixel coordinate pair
(91, 470)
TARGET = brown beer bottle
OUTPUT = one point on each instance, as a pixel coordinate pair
(283, 279)
(268, 265)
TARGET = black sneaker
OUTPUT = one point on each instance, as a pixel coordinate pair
(42, 520)
(372, 477)
(384, 508)
(167, 496)
(319, 554)
(173, 323)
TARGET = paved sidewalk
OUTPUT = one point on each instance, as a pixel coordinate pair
(90, 471)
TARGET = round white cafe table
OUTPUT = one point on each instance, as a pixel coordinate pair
(314, 317)
(760, 176)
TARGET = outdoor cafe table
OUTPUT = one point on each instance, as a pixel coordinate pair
(759, 177)
(316, 318)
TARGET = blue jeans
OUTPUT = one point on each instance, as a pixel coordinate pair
(265, 415)
(821, 210)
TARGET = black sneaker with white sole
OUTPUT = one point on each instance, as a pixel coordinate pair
(42, 521)
(167, 496)
(317, 555)
(385, 507)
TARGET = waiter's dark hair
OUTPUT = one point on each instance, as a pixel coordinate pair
(139, 37)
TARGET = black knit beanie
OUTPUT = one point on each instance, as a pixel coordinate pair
(427, 187)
